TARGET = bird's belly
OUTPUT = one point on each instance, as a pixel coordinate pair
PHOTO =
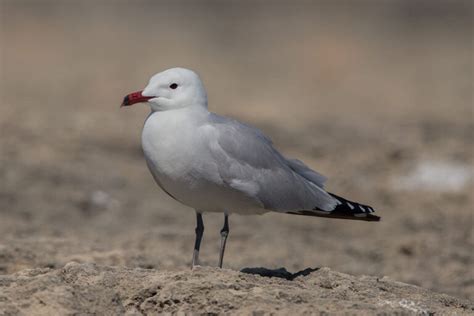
(202, 194)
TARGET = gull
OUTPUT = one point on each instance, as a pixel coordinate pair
(213, 163)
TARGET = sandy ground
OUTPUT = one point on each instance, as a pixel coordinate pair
(378, 97)
(89, 289)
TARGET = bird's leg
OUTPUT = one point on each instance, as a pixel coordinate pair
(197, 244)
(224, 234)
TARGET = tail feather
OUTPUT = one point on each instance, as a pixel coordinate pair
(345, 209)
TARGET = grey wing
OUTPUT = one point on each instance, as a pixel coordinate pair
(247, 161)
(299, 167)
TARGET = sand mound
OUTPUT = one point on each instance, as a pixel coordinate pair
(89, 288)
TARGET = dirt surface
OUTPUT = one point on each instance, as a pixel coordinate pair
(376, 96)
(88, 288)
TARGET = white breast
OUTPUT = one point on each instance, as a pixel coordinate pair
(165, 140)
(173, 148)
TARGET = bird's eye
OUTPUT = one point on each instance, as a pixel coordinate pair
(173, 86)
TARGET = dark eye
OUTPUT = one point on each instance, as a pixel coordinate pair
(173, 86)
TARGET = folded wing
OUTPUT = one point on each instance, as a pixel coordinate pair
(247, 161)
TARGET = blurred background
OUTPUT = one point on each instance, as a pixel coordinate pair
(376, 95)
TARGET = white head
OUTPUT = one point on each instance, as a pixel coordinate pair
(171, 89)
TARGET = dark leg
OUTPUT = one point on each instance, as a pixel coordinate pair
(224, 234)
(197, 243)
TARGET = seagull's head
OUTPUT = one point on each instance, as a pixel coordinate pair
(171, 89)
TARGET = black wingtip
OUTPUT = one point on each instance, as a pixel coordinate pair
(337, 215)
(350, 207)
(345, 209)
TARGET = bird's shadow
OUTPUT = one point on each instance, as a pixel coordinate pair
(281, 273)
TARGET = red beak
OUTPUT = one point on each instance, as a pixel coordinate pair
(135, 97)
